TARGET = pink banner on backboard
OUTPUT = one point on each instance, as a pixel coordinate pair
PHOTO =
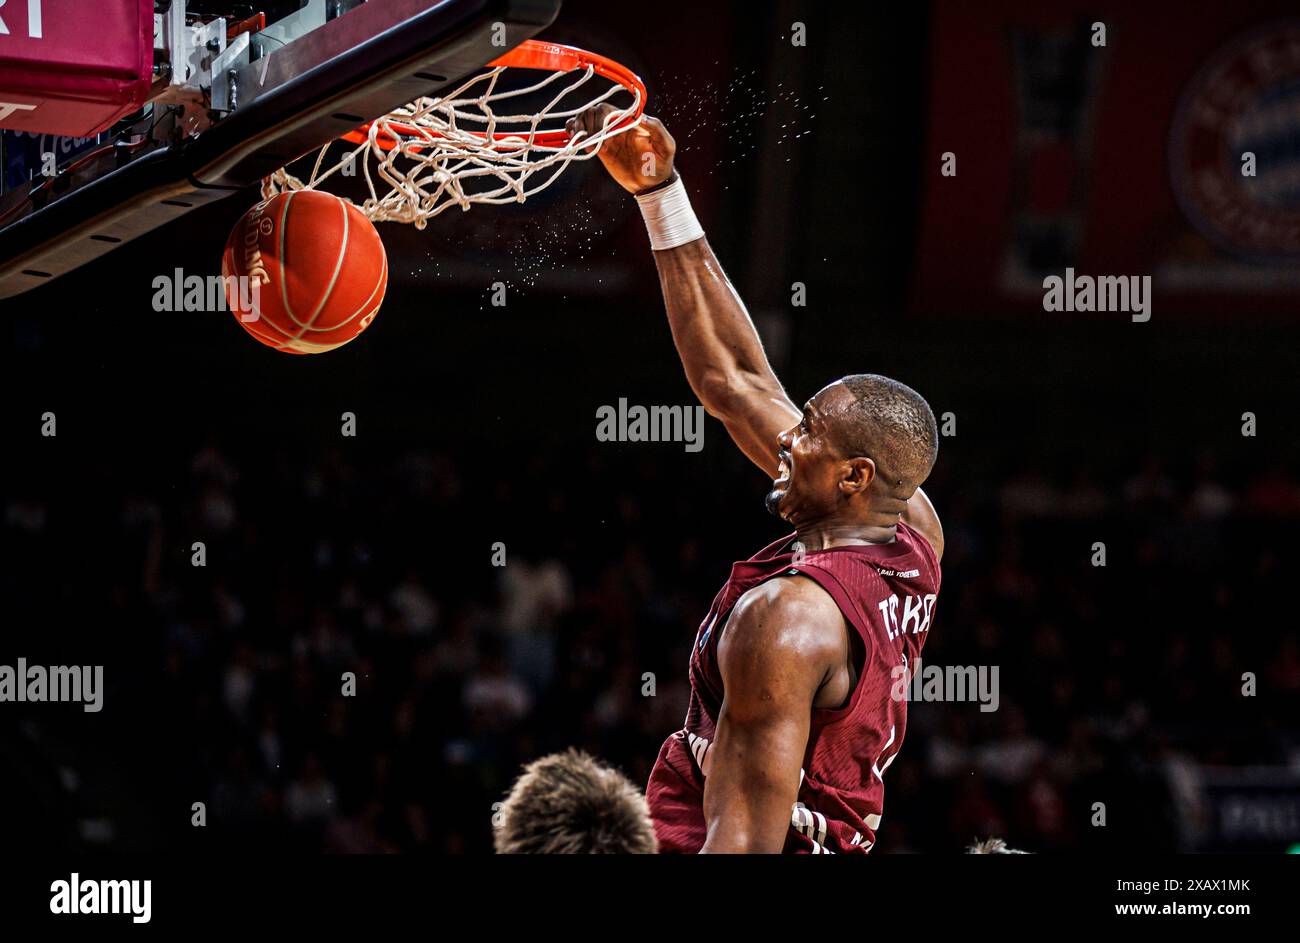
(73, 67)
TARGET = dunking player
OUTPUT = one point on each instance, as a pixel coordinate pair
(793, 716)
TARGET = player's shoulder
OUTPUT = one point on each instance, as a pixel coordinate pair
(782, 640)
(789, 612)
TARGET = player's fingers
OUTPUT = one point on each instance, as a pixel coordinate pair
(588, 122)
(657, 130)
(596, 115)
(575, 128)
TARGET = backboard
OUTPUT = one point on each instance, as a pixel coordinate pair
(234, 100)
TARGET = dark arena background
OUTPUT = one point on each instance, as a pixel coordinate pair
(1163, 686)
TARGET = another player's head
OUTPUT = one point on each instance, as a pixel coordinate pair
(568, 803)
(864, 445)
(993, 846)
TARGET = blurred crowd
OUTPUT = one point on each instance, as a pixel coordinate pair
(352, 670)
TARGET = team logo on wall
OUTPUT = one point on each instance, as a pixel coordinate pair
(1235, 145)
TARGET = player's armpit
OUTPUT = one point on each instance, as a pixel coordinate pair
(784, 640)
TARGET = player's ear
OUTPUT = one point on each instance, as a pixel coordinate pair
(859, 472)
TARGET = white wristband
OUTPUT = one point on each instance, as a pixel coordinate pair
(668, 216)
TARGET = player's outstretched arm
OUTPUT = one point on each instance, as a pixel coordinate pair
(715, 338)
(782, 643)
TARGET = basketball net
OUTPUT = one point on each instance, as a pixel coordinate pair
(463, 147)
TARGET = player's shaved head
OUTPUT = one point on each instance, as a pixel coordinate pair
(890, 423)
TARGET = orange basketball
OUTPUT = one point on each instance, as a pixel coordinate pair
(315, 267)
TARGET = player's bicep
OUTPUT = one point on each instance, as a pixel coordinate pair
(756, 425)
(774, 655)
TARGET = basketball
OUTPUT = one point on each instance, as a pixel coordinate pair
(315, 272)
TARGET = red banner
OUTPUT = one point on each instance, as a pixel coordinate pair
(1116, 139)
(72, 67)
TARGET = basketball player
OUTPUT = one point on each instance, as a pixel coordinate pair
(798, 671)
(571, 804)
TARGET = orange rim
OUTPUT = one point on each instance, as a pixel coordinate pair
(532, 54)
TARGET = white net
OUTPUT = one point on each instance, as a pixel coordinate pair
(461, 148)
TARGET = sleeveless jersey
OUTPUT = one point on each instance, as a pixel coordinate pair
(887, 594)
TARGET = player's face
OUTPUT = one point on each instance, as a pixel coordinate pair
(805, 486)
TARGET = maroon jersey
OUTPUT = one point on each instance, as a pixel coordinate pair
(887, 593)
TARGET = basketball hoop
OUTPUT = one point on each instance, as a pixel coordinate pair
(460, 149)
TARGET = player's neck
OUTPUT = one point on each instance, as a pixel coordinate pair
(823, 535)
